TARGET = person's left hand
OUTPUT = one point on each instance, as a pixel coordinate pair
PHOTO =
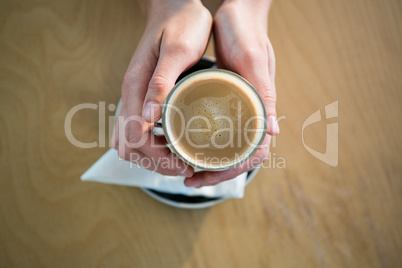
(175, 38)
(242, 46)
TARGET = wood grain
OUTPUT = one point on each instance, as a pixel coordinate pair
(57, 54)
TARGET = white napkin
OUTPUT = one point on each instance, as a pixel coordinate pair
(110, 169)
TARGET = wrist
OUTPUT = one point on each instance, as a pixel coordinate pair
(255, 11)
(150, 7)
(257, 7)
(256, 3)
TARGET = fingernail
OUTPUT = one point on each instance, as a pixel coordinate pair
(151, 111)
(273, 124)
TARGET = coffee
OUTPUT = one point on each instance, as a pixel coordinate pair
(215, 119)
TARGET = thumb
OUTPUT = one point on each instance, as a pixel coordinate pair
(258, 72)
(173, 60)
(268, 95)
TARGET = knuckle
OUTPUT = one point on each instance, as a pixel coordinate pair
(208, 16)
(250, 55)
(135, 135)
(182, 47)
(253, 55)
(165, 172)
(263, 153)
(211, 179)
(130, 78)
(158, 84)
(127, 79)
(185, 48)
(133, 138)
(268, 95)
(166, 154)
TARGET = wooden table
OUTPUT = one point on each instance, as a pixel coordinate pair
(57, 54)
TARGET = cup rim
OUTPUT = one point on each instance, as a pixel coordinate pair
(172, 147)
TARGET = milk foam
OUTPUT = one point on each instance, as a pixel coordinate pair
(207, 107)
(215, 114)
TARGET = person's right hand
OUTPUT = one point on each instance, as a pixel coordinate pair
(175, 38)
(242, 46)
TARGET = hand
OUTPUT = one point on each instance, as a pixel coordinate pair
(242, 46)
(175, 38)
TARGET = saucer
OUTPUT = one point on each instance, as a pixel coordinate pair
(192, 202)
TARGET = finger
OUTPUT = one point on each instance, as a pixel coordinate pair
(134, 89)
(273, 122)
(136, 79)
(136, 145)
(114, 140)
(140, 137)
(152, 148)
(271, 63)
(155, 147)
(256, 69)
(207, 178)
(175, 57)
